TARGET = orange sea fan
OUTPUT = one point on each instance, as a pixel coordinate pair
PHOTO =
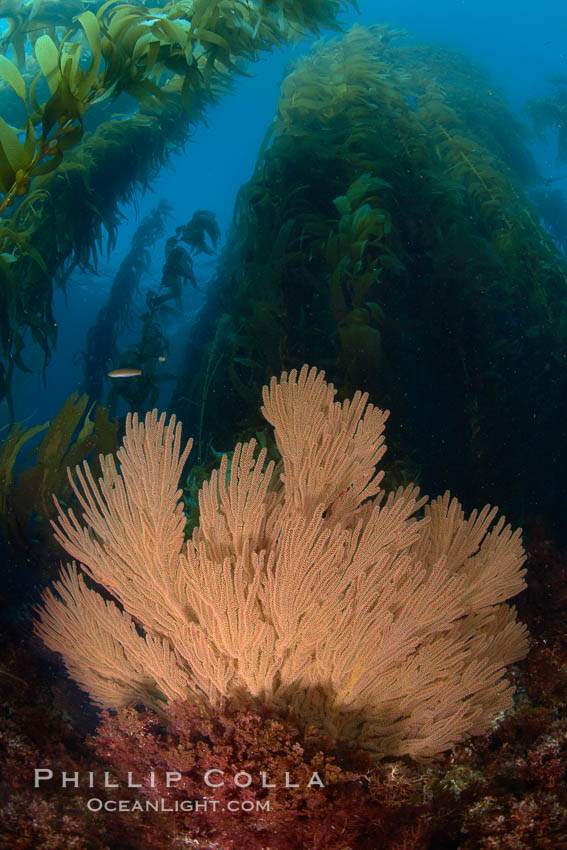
(380, 619)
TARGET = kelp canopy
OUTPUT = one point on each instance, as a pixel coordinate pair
(60, 185)
(386, 236)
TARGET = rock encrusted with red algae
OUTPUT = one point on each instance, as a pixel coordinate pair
(505, 790)
(532, 823)
(34, 735)
(510, 787)
(359, 807)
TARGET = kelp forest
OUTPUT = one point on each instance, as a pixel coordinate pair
(396, 233)
(405, 256)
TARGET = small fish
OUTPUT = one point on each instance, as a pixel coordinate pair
(125, 372)
(162, 359)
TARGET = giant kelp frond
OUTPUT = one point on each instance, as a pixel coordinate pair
(137, 50)
(194, 233)
(65, 186)
(28, 481)
(101, 347)
(61, 223)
